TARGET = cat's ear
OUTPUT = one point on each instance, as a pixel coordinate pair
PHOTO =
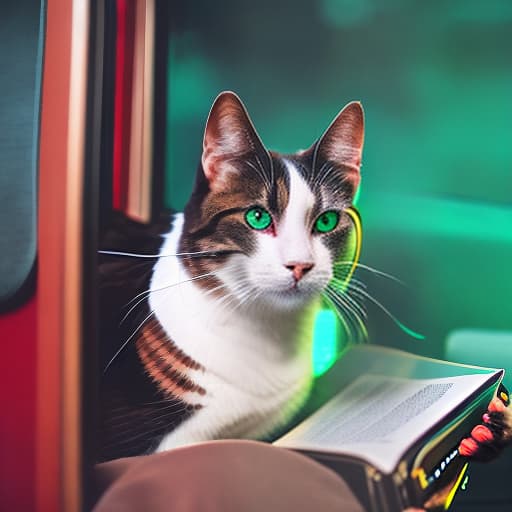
(229, 135)
(342, 142)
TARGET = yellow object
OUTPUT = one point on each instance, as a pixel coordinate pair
(419, 473)
(358, 227)
(504, 396)
(451, 495)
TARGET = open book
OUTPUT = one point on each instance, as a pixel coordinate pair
(393, 430)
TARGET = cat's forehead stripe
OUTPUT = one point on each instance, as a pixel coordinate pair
(280, 191)
(302, 198)
(300, 204)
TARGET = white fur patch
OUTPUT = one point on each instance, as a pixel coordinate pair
(295, 239)
(257, 365)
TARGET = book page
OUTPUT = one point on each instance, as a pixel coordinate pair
(378, 417)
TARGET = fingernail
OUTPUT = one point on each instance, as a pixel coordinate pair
(482, 434)
(486, 418)
(497, 405)
(468, 447)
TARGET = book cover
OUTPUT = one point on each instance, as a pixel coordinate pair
(124, 46)
(393, 429)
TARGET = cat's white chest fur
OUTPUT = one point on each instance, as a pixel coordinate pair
(257, 369)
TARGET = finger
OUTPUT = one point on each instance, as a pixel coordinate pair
(496, 405)
(468, 447)
(482, 434)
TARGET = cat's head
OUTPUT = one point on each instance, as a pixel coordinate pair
(277, 222)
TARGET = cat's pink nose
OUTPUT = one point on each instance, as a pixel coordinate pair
(299, 270)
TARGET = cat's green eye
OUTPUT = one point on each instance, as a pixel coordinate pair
(327, 222)
(258, 218)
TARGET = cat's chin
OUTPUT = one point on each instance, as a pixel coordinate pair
(289, 299)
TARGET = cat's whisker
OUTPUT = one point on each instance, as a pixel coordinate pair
(173, 405)
(352, 315)
(260, 173)
(211, 291)
(360, 330)
(337, 184)
(329, 176)
(372, 270)
(196, 254)
(272, 170)
(131, 309)
(145, 433)
(339, 284)
(226, 299)
(359, 305)
(124, 345)
(165, 402)
(249, 295)
(351, 300)
(271, 179)
(349, 292)
(147, 292)
(218, 302)
(233, 297)
(353, 283)
(323, 174)
(166, 412)
(336, 308)
(358, 281)
(351, 289)
(316, 176)
(400, 324)
(340, 300)
(215, 289)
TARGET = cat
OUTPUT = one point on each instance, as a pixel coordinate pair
(216, 339)
(221, 346)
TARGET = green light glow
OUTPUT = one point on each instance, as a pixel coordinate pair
(357, 196)
(444, 217)
(325, 341)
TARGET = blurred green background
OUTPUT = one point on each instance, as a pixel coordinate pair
(435, 79)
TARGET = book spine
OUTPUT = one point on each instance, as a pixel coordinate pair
(122, 102)
(141, 156)
(147, 134)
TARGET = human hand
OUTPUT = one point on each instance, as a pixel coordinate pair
(488, 439)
